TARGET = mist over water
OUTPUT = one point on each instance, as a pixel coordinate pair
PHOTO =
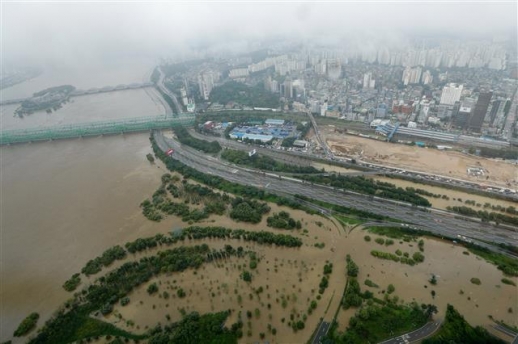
(85, 75)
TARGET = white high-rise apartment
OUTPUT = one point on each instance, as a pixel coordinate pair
(205, 83)
(427, 78)
(415, 75)
(367, 80)
(451, 93)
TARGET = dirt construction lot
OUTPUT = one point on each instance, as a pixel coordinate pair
(446, 163)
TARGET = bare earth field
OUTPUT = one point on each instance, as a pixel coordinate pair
(446, 163)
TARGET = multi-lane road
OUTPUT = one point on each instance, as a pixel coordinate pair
(321, 332)
(436, 221)
(416, 335)
(160, 84)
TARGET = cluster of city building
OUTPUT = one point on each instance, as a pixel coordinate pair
(461, 88)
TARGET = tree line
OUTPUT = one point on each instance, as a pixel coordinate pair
(195, 328)
(109, 256)
(27, 325)
(368, 186)
(263, 162)
(185, 138)
(484, 215)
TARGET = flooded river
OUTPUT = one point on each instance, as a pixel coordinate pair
(65, 202)
(86, 76)
(144, 102)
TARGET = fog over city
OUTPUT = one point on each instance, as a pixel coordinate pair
(66, 32)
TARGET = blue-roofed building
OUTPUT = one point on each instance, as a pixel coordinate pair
(237, 135)
(274, 121)
(263, 138)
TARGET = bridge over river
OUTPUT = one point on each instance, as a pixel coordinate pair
(94, 129)
(76, 93)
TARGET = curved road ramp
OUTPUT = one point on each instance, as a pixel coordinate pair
(414, 336)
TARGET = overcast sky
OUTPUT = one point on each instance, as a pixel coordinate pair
(64, 31)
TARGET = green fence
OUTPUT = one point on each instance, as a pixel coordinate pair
(93, 129)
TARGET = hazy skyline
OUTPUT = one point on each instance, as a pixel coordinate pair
(42, 32)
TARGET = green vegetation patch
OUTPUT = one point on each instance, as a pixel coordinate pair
(161, 205)
(484, 215)
(27, 325)
(352, 268)
(205, 146)
(76, 325)
(476, 281)
(455, 329)
(368, 186)
(283, 220)
(72, 283)
(195, 328)
(370, 283)
(348, 220)
(352, 296)
(246, 276)
(418, 257)
(508, 265)
(248, 210)
(508, 281)
(374, 323)
(393, 257)
(395, 232)
(423, 192)
(109, 256)
(240, 93)
(263, 162)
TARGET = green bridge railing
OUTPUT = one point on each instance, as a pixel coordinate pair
(93, 129)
